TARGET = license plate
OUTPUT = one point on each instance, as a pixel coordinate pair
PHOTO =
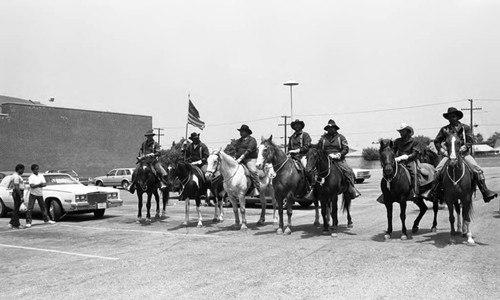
(101, 205)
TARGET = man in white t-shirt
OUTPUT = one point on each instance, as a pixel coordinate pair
(36, 182)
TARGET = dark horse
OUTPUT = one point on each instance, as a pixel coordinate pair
(193, 186)
(147, 182)
(216, 188)
(288, 183)
(396, 187)
(328, 187)
(457, 188)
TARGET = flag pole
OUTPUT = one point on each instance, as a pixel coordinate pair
(187, 120)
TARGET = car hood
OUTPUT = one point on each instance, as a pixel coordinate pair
(78, 188)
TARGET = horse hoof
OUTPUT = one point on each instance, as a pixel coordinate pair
(157, 216)
(334, 235)
(288, 231)
(214, 220)
(433, 229)
(148, 220)
(138, 221)
(200, 225)
(350, 225)
(243, 227)
(279, 231)
(185, 223)
(387, 237)
(414, 230)
(470, 241)
(404, 237)
(316, 223)
(260, 223)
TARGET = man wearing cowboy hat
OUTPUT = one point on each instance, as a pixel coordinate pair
(406, 151)
(246, 152)
(150, 149)
(464, 132)
(298, 145)
(336, 146)
(197, 152)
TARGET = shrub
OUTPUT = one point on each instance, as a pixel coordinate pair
(370, 154)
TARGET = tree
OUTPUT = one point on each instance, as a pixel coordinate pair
(492, 140)
(370, 154)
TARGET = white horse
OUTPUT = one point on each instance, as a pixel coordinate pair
(236, 184)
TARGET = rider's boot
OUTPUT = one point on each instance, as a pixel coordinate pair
(310, 182)
(254, 177)
(131, 187)
(488, 194)
(353, 192)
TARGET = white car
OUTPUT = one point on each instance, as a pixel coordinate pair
(361, 174)
(63, 195)
(116, 177)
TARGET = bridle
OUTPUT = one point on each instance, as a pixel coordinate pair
(276, 167)
(452, 156)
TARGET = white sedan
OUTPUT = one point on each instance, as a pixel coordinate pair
(361, 174)
(63, 195)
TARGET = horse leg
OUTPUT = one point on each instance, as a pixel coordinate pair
(186, 211)
(289, 212)
(402, 216)
(388, 208)
(157, 198)
(275, 205)
(466, 211)
(279, 199)
(198, 211)
(423, 208)
(325, 214)
(148, 208)
(234, 204)
(263, 204)
(335, 221)
(139, 204)
(316, 212)
(459, 218)
(243, 212)
(164, 195)
(435, 208)
(451, 217)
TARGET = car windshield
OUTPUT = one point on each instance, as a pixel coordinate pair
(59, 179)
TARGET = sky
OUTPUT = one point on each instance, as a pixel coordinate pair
(368, 65)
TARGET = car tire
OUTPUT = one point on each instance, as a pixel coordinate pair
(99, 183)
(99, 213)
(55, 210)
(3, 209)
(125, 184)
(361, 180)
(305, 203)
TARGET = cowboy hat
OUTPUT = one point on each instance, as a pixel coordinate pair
(407, 127)
(149, 133)
(331, 123)
(298, 122)
(194, 136)
(245, 128)
(454, 111)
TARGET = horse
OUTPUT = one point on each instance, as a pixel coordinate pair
(147, 182)
(192, 183)
(327, 189)
(396, 187)
(430, 157)
(288, 182)
(236, 184)
(457, 183)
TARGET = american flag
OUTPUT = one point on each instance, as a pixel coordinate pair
(194, 117)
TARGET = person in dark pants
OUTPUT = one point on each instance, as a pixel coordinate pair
(36, 182)
(17, 195)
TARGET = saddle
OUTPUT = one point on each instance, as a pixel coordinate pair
(200, 173)
(426, 173)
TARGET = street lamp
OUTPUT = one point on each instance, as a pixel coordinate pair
(291, 83)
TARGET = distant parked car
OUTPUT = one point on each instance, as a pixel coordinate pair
(361, 175)
(116, 177)
(5, 173)
(63, 195)
(72, 173)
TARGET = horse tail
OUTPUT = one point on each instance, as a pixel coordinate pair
(346, 202)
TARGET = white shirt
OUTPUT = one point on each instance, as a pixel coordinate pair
(36, 179)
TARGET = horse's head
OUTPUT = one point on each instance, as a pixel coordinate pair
(452, 147)
(265, 152)
(213, 161)
(144, 174)
(387, 158)
(429, 157)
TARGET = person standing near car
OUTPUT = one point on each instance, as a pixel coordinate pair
(36, 182)
(17, 195)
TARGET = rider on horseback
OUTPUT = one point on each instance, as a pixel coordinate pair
(298, 145)
(197, 152)
(335, 145)
(150, 149)
(246, 152)
(466, 137)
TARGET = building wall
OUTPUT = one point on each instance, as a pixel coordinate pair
(90, 142)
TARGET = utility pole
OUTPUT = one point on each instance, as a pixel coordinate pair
(286, 137)
(472, 109)
(159, 134)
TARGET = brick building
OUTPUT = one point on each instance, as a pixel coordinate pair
(89, 142)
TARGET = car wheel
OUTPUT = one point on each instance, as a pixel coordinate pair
(3, 209)
(125, 184)
(305, 203)
(99, 183)
(55, 210)
(361, 180)
(99, 213)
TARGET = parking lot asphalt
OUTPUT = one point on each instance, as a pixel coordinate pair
(117, 258)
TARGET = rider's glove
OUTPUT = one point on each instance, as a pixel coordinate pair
(294, 151)
(443, 152)
(463, 149)
(402, 157)
(335, 155)
(196, 162)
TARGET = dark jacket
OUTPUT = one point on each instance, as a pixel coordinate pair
(463, 132)
(197, 152)
(246, 147)
(148, 147)
(334, 144)
(408, 147)
(300, 140)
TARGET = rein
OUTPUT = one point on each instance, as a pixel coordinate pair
(281, 165)
(455, 182)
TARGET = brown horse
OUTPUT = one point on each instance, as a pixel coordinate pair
(396, 187)
(147, 182)
(328, 187)
(458, 188)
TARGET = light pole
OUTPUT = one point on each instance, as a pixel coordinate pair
(291, 83)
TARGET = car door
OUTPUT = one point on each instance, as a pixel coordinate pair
(121, 175)
(110, 178)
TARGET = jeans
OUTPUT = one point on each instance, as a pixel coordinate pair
(31, 205)
(469, 160)
(14, 219)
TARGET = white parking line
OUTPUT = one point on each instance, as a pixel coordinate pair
(59, 252)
